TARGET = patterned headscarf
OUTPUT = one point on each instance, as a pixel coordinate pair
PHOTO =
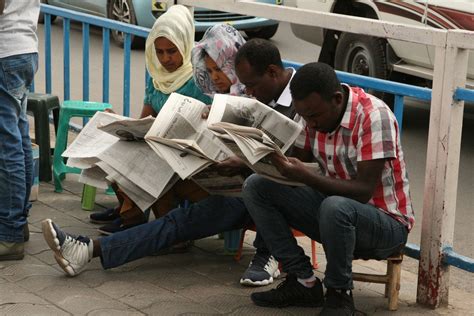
(221, 43)
(177, 25)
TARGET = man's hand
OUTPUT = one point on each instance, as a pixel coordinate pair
(290, 167)
(205, 112)
(230, 167)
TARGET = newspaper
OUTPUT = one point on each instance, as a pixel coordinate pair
(127, 128)
(91, 141)
(180, 136)
(137, 162)
(252, 130)
(243, 111)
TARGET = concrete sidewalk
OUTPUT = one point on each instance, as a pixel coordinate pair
(202, 281)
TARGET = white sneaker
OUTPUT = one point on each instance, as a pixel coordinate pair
(72, 253)
(261, 271)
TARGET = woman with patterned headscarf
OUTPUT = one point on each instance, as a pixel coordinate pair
(168, 61)
(213, 61)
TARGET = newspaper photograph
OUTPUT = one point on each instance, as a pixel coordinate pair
(128, 129)
(243, 111)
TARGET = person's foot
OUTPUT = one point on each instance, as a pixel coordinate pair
(72, 253)
(291, 293)
(261, 271)
(105, 217)
(11, 250)
(338, 302)
(118, 226)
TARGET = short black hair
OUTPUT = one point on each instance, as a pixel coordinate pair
(315, 77)
(260, 54)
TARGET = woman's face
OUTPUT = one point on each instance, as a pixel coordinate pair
(168, 54)
(220, 80)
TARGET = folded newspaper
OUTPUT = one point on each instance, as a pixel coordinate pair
(253, 130)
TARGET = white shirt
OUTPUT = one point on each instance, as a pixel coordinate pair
(18, 27)
(285, 97)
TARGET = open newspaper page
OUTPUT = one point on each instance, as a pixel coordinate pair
(263, 131)
(243, 111)
(180, 136)
(134, 192)
(95, 177)
(137, 162)
(128, 128)
(91, 141)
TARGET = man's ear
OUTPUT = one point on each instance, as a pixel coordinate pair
(338, 97)
(273, 71)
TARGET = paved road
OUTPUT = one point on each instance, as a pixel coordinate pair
(414, 138)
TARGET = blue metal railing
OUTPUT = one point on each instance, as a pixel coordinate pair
(399, 90)
(87, 20)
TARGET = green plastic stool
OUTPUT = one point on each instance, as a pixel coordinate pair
(40, 105)
(88, 197)
(70, 109)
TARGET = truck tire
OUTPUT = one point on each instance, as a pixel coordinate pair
(122, 10)
(265, 32)
(362, 55)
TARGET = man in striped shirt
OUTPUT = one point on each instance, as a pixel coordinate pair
(358, 207)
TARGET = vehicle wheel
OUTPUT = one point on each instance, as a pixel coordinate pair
(362, 55)
(265, 32)
(41, 15)
(122, 10)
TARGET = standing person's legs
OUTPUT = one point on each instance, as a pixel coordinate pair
(16, 164)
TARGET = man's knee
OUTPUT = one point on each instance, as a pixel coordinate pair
(252, 185)
(334, 209)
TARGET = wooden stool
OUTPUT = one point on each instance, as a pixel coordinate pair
(391, 279)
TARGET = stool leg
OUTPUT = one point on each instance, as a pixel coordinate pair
(392, 288)
(88, 197)
(60, 146)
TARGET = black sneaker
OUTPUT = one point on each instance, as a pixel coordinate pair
(117, 226)
(291, 293)
(105, 217)
(338, 302)
(261, 271)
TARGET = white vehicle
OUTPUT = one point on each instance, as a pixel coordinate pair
(377, 57)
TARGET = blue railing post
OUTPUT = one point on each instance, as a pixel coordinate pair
(127, 45)
(47, 48)
(105, 62)
(67, 59)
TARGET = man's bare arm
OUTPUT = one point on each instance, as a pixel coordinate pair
(2, 6)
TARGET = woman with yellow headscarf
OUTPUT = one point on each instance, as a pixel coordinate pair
(168, 61)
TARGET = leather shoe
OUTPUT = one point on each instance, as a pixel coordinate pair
(11, 250)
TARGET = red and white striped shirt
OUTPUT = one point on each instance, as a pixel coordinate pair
(368, 131)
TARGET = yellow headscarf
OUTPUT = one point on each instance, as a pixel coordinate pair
(177, 25)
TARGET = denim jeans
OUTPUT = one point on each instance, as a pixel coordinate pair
(346, 228)
(16, 162)
(205, 218)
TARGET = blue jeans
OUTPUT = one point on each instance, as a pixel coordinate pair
(346, 228)
(205, 218)
(16, 161)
